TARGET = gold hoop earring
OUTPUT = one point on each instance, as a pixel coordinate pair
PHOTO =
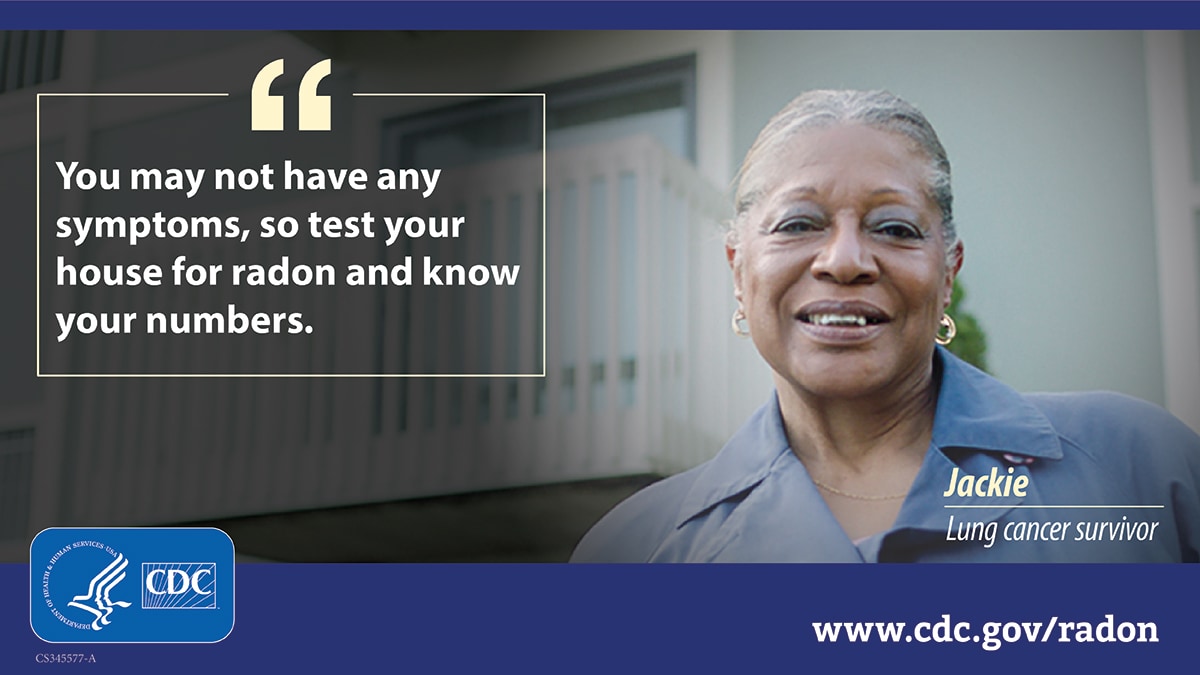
(951, 331)
(738, 317)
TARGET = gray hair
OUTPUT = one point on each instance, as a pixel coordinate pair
(878, 109)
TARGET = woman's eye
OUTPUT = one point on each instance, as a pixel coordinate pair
(899, 229)
(797, 225)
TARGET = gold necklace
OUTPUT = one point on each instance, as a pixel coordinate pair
(851, 495)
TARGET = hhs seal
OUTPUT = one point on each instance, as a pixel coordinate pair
(68, 570)
(86, 583)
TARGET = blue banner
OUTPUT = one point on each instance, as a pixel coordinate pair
(688, 619)
(582, 15)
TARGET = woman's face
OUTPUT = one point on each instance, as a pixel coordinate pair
(840, 264)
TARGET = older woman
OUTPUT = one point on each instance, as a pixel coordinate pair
(879, 445)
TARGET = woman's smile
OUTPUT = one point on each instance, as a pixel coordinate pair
(841, 322)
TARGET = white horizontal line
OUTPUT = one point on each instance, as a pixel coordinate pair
(1053, 506)
(282, 375)
(59, 93)
(439, 93)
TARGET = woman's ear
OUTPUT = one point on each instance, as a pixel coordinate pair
(731, 257)
(953, 265)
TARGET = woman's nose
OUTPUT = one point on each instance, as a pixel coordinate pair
(845, 256)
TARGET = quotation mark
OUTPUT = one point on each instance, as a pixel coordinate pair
(266, 109)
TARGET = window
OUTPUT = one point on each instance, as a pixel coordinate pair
(29, 58)
(656, 99)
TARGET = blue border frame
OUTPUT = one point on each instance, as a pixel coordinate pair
(593, 14)
(500, 618)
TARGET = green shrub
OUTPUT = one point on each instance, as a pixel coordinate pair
(970, 344)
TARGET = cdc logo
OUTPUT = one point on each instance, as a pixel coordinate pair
(179, 585)
(85, 584)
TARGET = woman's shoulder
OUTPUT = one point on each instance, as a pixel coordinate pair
(1108, 417)
(1126, 434)
(633, 530)
(636, 529)
(1102, 423)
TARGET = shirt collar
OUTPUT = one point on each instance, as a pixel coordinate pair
(742, 464)
(974, 411)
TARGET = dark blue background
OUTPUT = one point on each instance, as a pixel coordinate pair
(645, 619)
(557, 14)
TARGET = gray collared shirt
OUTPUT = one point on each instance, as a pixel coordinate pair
(755, 502)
